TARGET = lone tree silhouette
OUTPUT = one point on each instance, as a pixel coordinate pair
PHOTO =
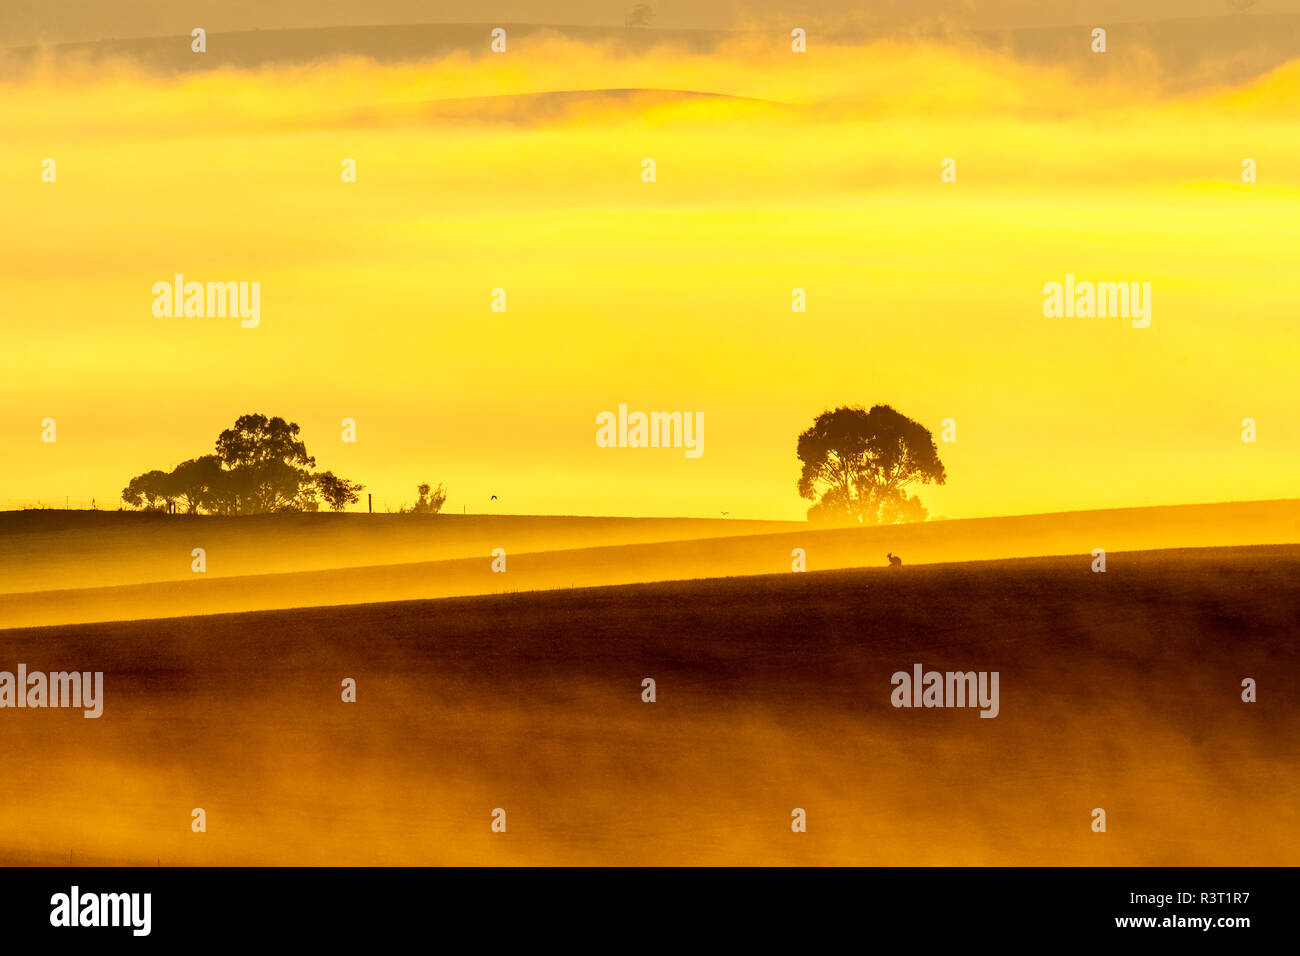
(858, 463)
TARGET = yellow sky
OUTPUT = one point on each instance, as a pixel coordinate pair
(375, 296)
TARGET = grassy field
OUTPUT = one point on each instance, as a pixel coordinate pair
(1118, 690)
(70, 567)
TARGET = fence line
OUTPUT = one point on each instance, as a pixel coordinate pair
(107, 502)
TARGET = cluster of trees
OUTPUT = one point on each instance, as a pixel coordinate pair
(858, 464)
(260, 466)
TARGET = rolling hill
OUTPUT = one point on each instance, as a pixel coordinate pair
(59, 568)
(1118, 691)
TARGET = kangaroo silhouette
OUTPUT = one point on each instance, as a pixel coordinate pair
(894, 560)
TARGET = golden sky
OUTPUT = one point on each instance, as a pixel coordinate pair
(675, 295)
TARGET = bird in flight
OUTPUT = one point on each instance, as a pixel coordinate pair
(494, 497)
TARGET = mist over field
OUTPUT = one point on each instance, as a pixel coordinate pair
(1118, 690)
(73, 567)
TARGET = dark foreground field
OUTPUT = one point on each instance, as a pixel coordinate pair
(1119, 690)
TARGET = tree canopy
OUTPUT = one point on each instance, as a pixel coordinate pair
(858, 463)
(337, 492)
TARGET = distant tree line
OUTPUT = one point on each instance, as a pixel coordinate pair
(260, 466)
